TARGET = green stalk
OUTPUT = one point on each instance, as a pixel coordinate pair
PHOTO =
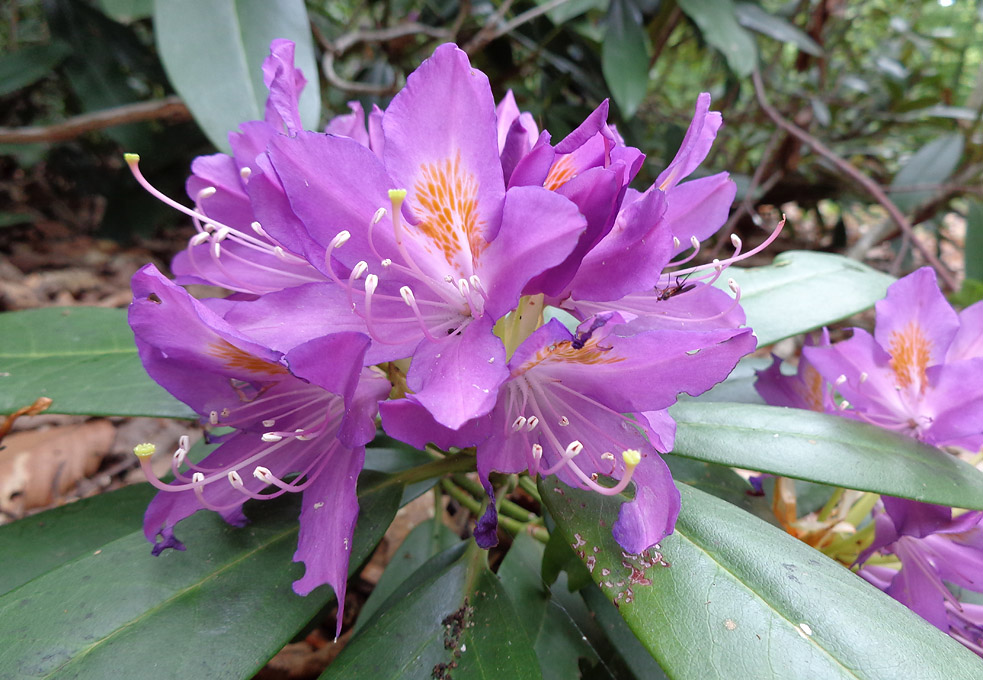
(511, 525)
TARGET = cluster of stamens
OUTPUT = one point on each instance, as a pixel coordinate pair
(326, 413)
(214, 234)
(915, 423)
(459, 299)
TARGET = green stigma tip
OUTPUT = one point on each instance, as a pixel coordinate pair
(131, 157)
(631, 457)
(144, 450)
(397, 194)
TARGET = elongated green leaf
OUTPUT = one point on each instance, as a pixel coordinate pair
(625, 56)
(547, 614)
(974, 241)
(452, 617)
(213, 53)
(119, 612)
(38, 544)
(426, 540)
(632, 659)
(824, 448)
(754, 17)
(931, 164)
(717, 21)
(84, 359)
(802, 291)
(29, 64)
(729, 596)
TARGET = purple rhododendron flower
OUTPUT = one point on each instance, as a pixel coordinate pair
(934, 549)
(920, 374)
(546, 310)
(807, 389)
(291, 414)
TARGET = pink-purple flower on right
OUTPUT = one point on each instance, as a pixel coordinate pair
(920, 374)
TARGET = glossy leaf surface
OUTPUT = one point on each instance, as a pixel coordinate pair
(729, 596)
(119, 612)
(213, 53)
(803, 290)
(824, 448)
(83, 359)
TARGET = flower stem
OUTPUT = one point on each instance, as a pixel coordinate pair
(505, 506)
(511, 525)
(458, 462)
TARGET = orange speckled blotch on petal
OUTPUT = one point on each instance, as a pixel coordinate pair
(239, 359)
(910, 352)
(560, 173)
(447, 206)
(589, 355)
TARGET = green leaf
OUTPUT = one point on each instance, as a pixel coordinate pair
(40, 543)
(213, 54)
(802, 291)
(729, 596)
(562, 647)
(638, 662)
(84, 359)
(754, 17)
(120, 612)
(127, 11)
(973, 250)
(931, 164)
(625, 56)
(717, 21)
(824, 448)
(452, 617)
(426, 540)
(29, 64)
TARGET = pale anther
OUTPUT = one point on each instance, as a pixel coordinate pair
(387, 262)
(207, 192)
(406, 293)
(537, 451)
(532, 423)
(736, 240)
(371, 283)
(359, 269)
(863, 377)
(271, 437)
(564, 421)
(213, 417)
(839, 381)
(235, 479)
(200, 238)
(263, 474)
(379, 214)
(269, 423)
(675, 242)
(245, 172)
(518, 423)
(197, 478)
(341, 238)
(573, 448)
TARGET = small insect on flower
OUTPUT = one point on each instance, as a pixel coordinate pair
(680, 286)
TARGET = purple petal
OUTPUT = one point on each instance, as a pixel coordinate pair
(968, 341)
(408, 421)
(696, 144)
(699, 208)
(539, 229)
(285, 83)
(630, 257)
(651, 516)
(350, 125)
(445, 117)
(457, 378)
(915, 324)
(327, 523)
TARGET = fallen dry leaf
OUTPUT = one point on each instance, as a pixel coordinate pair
(38, 467)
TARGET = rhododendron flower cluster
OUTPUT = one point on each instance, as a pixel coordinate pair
(444, 266)
(921, 375)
